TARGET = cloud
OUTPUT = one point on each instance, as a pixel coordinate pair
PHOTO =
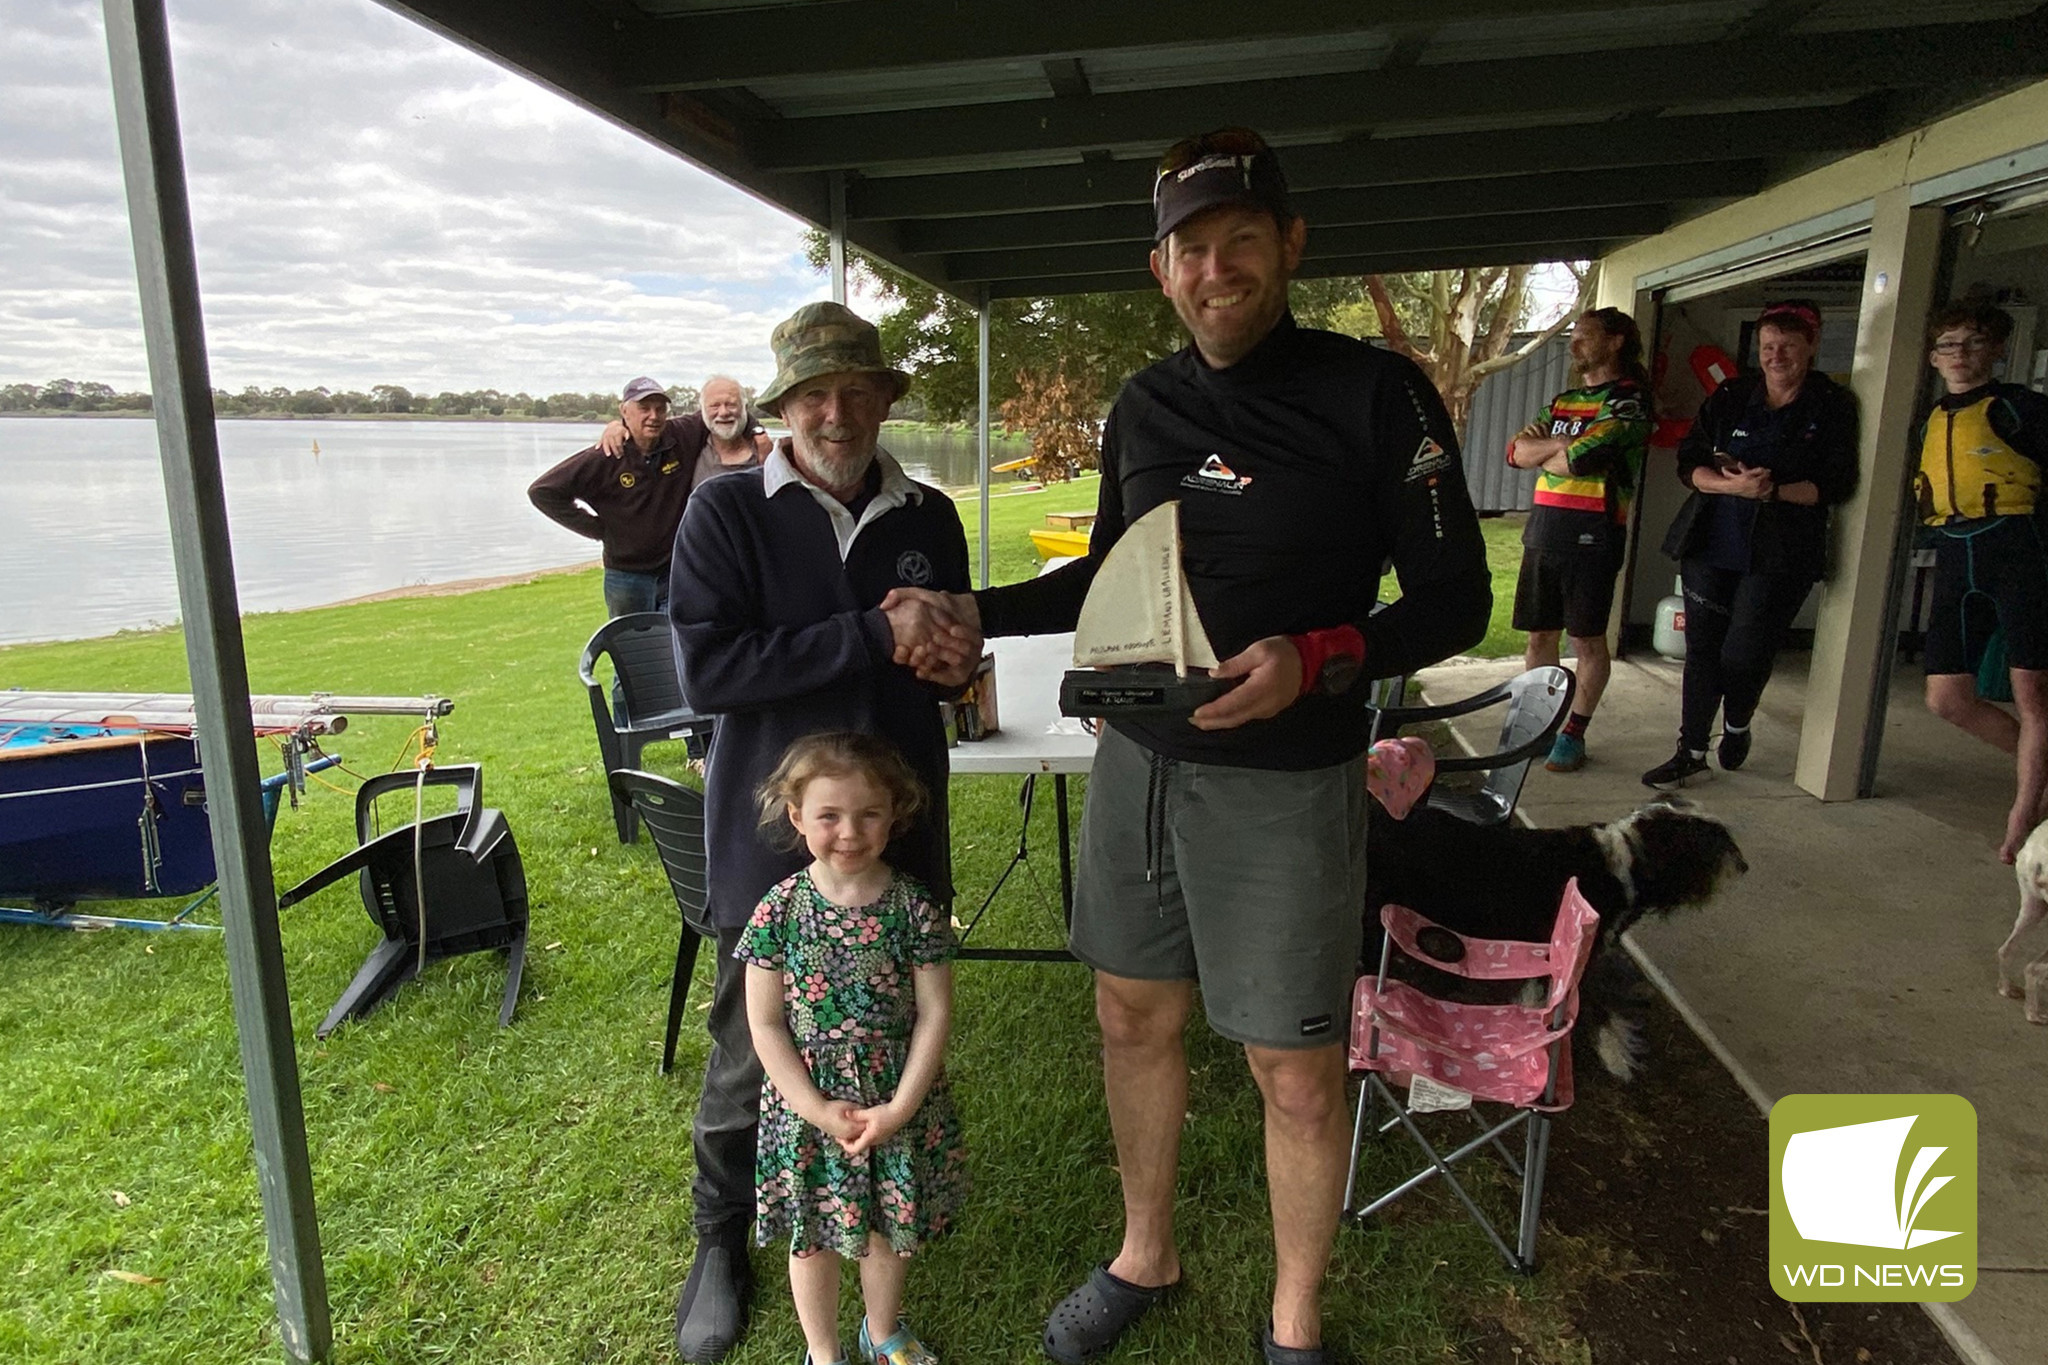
(371, 204)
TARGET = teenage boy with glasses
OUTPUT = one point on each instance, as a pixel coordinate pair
(1982, 452)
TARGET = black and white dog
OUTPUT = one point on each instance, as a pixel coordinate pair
(1505, 882)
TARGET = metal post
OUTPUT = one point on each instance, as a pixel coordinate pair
(837, 181)
(981, 352)
(152, 161)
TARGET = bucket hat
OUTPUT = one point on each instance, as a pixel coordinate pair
(825, 338)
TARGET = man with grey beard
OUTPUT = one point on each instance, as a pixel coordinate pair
(722, 432)
(778, 581)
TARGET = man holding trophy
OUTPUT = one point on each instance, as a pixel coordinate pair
(1223, 842)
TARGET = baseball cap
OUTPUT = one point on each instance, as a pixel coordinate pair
(643, 387)
(1227, 166)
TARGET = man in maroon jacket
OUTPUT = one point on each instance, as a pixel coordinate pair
(631, 505)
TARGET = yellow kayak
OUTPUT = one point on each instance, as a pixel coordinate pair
(1011, 466)
(1052, 544)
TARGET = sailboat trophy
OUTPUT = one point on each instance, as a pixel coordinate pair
(1139, 647)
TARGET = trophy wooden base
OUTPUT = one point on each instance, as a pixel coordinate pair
(1137, 690)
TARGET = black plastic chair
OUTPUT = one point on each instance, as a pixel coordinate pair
(674, 815)
(651, 703)
(461, 872)
(1537, 703)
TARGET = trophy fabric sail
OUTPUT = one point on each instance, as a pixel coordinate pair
(1138, 609)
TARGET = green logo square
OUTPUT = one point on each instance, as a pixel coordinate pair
(1873, 1198)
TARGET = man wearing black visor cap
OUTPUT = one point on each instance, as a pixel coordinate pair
(1227, 849)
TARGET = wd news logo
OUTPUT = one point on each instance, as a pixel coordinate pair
(1873, 1198)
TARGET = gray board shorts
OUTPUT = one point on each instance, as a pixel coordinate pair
(1249, 882)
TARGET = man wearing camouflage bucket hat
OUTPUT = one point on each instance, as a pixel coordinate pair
(776, 593)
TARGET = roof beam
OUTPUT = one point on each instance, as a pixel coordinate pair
(1520, 230)
(1336, 208)
(1572, 85)
(706, 49)
(1129, 281)
(1607, 147)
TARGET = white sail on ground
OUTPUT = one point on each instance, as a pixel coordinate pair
(1839, 1185)
(1138, 609)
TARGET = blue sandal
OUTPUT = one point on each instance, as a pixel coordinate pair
(1094, 1317)
(901, 1347)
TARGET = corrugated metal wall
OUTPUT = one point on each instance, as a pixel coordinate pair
(1504, 405)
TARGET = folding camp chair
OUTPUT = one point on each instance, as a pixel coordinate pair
(1453, 1054)
(1537, 703)
(649, 706)
(674, 815)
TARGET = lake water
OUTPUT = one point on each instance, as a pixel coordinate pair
(85, 543)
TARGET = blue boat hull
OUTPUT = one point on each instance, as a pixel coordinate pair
(111, 818)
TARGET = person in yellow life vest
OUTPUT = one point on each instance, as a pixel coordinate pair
(1982, 454)
(1588, 448)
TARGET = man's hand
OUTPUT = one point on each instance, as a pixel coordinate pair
(1271, 669)
(612, 440)
(1532, 451)
(937, 635)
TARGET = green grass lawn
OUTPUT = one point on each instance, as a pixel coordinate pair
(521, 1195)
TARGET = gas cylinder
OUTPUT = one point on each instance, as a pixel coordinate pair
(1668, 636)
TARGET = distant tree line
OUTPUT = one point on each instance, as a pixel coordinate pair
(66, 395)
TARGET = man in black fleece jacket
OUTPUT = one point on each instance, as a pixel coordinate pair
(776, 600)
(1227, 850)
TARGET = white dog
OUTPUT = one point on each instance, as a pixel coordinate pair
(2032, 866)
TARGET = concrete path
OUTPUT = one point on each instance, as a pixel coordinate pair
(1858, 955)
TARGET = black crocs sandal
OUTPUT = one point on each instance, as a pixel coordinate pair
(1094, 1317)
(1276, 1354)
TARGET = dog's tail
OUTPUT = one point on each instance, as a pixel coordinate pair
(1614, 1006)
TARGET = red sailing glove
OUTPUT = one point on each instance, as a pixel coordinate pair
(1332, 656)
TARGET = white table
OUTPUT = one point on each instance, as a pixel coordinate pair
(1035, 738)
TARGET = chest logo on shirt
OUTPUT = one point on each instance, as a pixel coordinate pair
(1430, 458)
(627, 478)
(1217, 477)
(913, 568)
(672, 466)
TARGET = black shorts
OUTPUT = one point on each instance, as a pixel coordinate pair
(1994, 576)
(1567, 590)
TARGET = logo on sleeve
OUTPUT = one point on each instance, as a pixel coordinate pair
(627, 478)
(1217, 477)
(1430, 458)
(913, 568)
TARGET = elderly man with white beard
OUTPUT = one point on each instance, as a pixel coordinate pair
(778, 582)
(722, 433)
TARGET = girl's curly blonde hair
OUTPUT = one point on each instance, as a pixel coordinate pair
(841, 753)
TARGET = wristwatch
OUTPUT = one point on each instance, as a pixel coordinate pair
(1339, 671)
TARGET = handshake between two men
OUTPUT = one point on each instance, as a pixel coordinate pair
(938, 636)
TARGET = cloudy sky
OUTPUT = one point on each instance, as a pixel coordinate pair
(372, 205)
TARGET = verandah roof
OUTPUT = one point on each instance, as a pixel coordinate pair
(1010, 147)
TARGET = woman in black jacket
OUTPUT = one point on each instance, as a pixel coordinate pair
(1768, 455)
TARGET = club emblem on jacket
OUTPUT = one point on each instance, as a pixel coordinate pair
(913, 568)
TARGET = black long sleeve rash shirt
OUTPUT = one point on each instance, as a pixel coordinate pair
(1301, 470)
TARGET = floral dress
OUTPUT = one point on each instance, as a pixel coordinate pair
(849, 1002)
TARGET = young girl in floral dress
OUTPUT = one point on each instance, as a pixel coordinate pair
(850, 998)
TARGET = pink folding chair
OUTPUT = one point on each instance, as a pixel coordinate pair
(1517, 1055)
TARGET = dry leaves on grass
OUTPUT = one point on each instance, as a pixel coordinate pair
(131, 1277)
(121, 1201)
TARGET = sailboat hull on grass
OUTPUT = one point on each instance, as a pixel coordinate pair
(101, 814)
